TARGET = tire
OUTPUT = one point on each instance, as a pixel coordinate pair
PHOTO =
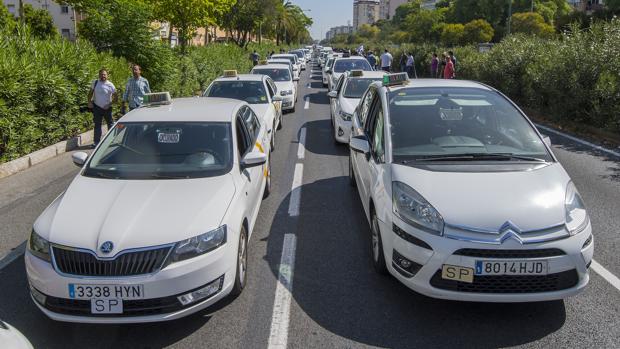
(242, 263)
(272, 144)
(376, 246)
(268, 185)
(281, 122)
(292, 110)
(352, 181)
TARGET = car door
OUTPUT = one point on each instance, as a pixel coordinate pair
(335, 102)
(254, 135)
(357, 127)
(366, 163)
(276, 107)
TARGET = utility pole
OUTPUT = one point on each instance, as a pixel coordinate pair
(532, 8)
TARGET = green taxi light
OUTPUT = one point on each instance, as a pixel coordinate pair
(395, 79)
(158, 98)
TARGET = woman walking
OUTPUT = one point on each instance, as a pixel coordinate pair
(448, 72)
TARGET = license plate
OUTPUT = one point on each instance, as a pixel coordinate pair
(511, 268)
(106, 306)
(457, 273)
(168, 138)
(106, 292)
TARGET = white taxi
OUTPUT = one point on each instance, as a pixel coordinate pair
(156, 224)
(342, 65)
(465, 199)
(292, 58)
(285, 86)
(329, 62)
(258, 90)
(292, 67)
(345, 97)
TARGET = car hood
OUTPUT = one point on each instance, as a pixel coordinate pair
(260, 109)
(530, 200)
(135, 213)
(348, 105)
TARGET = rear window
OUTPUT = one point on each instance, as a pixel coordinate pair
(343, 65)
(252, 92)
(275, 74)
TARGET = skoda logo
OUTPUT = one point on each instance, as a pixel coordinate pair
(106, 247)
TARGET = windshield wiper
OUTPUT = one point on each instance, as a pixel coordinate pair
(480, 157)
(163, 176)
(100, 174)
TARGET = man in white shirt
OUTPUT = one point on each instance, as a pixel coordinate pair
(411, 66)
(386, 61)
(100, 98)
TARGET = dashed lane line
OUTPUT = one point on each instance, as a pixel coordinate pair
(301, 148)
(278, 336)
(307, 104)
(13, 255)
(578, 140)
(606, 274)
(293, 206)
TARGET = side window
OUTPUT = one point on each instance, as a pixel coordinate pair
(270, 89)
(243, 139)
(365, 105)
(378, 142)
(251, 123)
(340, 83)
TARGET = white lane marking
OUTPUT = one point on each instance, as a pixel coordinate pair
(13, 255)
(606, 274)
(578, 140)
(278, 336)
(293, 206)
(301, 148)
(307, 105)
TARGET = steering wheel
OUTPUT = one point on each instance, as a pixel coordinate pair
(215, 155)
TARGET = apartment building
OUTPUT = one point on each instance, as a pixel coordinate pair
(343, 29)
(366, 12)
(64, 16)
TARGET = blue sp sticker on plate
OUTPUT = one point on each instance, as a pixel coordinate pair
(169, 136)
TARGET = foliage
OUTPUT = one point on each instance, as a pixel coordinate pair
(424, 25)
(368, 32)
(477, 31)
(452, 34)
(40, 22)
(531, 23)
(7, 21)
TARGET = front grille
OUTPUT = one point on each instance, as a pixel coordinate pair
(509, 283)
(128, 264)
(540, 253)
(142, 307)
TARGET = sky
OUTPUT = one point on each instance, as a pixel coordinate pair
(326, 14)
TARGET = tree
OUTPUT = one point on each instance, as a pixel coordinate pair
(452, 34)
(7, 21)
(40, 22)
(243, 18)
(613, 5)
(531, 23)
(188, 15)
(405, 10)
(478, 31)
(424, 25)
(368, 32)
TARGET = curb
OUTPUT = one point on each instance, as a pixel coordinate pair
(39, 156)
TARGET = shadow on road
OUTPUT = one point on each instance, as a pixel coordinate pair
(321, 131)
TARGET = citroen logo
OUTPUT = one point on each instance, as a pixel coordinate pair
(510, 231)
(106, 247)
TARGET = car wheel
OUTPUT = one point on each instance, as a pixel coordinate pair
(272, 146)
(268, 184)
(281, 122)
(242, 263)
(351, 173)
(378, 259)
(293, 110)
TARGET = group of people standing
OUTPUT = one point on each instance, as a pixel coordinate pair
(440, 68)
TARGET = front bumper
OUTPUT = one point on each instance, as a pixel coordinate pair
(160, 289)
(289, 102)
(342, 129)
(568, 261)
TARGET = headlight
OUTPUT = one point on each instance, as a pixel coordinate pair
(39, 247)
(198, 245)
(286, 92)
(411, 207)
(345, 116)
(576, 215)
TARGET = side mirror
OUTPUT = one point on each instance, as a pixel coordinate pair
(254, 159)
(359, 144)
(332, 94)
(277, 98)
(328, 71)
(79, 158)
(547, 140)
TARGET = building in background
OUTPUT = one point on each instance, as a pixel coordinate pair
(588, 6)
(429, 4)
(64, 16)
(388, 7)
(366, 12)
(343, 29)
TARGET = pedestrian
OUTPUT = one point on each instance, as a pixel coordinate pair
(255, 57)
(410, 65)
(403, 62)
(448, 72)
(442, 66)
(434, 66)
(386, 61)
(372, 60)
(100, 98)
(453, 58)
(135, 89)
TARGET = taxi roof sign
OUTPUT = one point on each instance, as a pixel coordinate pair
(395, 79)
(356, 73)
(157, 98)
(230, 73)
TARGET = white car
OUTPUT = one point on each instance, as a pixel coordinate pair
(11, 338)
(293, 68)
(156, 224)
(259, 91)
(285, 86)
(345, 97)
(325, 71)
(464, 197)
(301, 56)
(342, 65)
(291, 57)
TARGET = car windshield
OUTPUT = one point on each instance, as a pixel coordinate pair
(435, 123)
(275, 73)
(356, 87)
(299, 54)
(343, 65)
(252, 92)
(163, 150)
(289, 57)
(330, 62)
